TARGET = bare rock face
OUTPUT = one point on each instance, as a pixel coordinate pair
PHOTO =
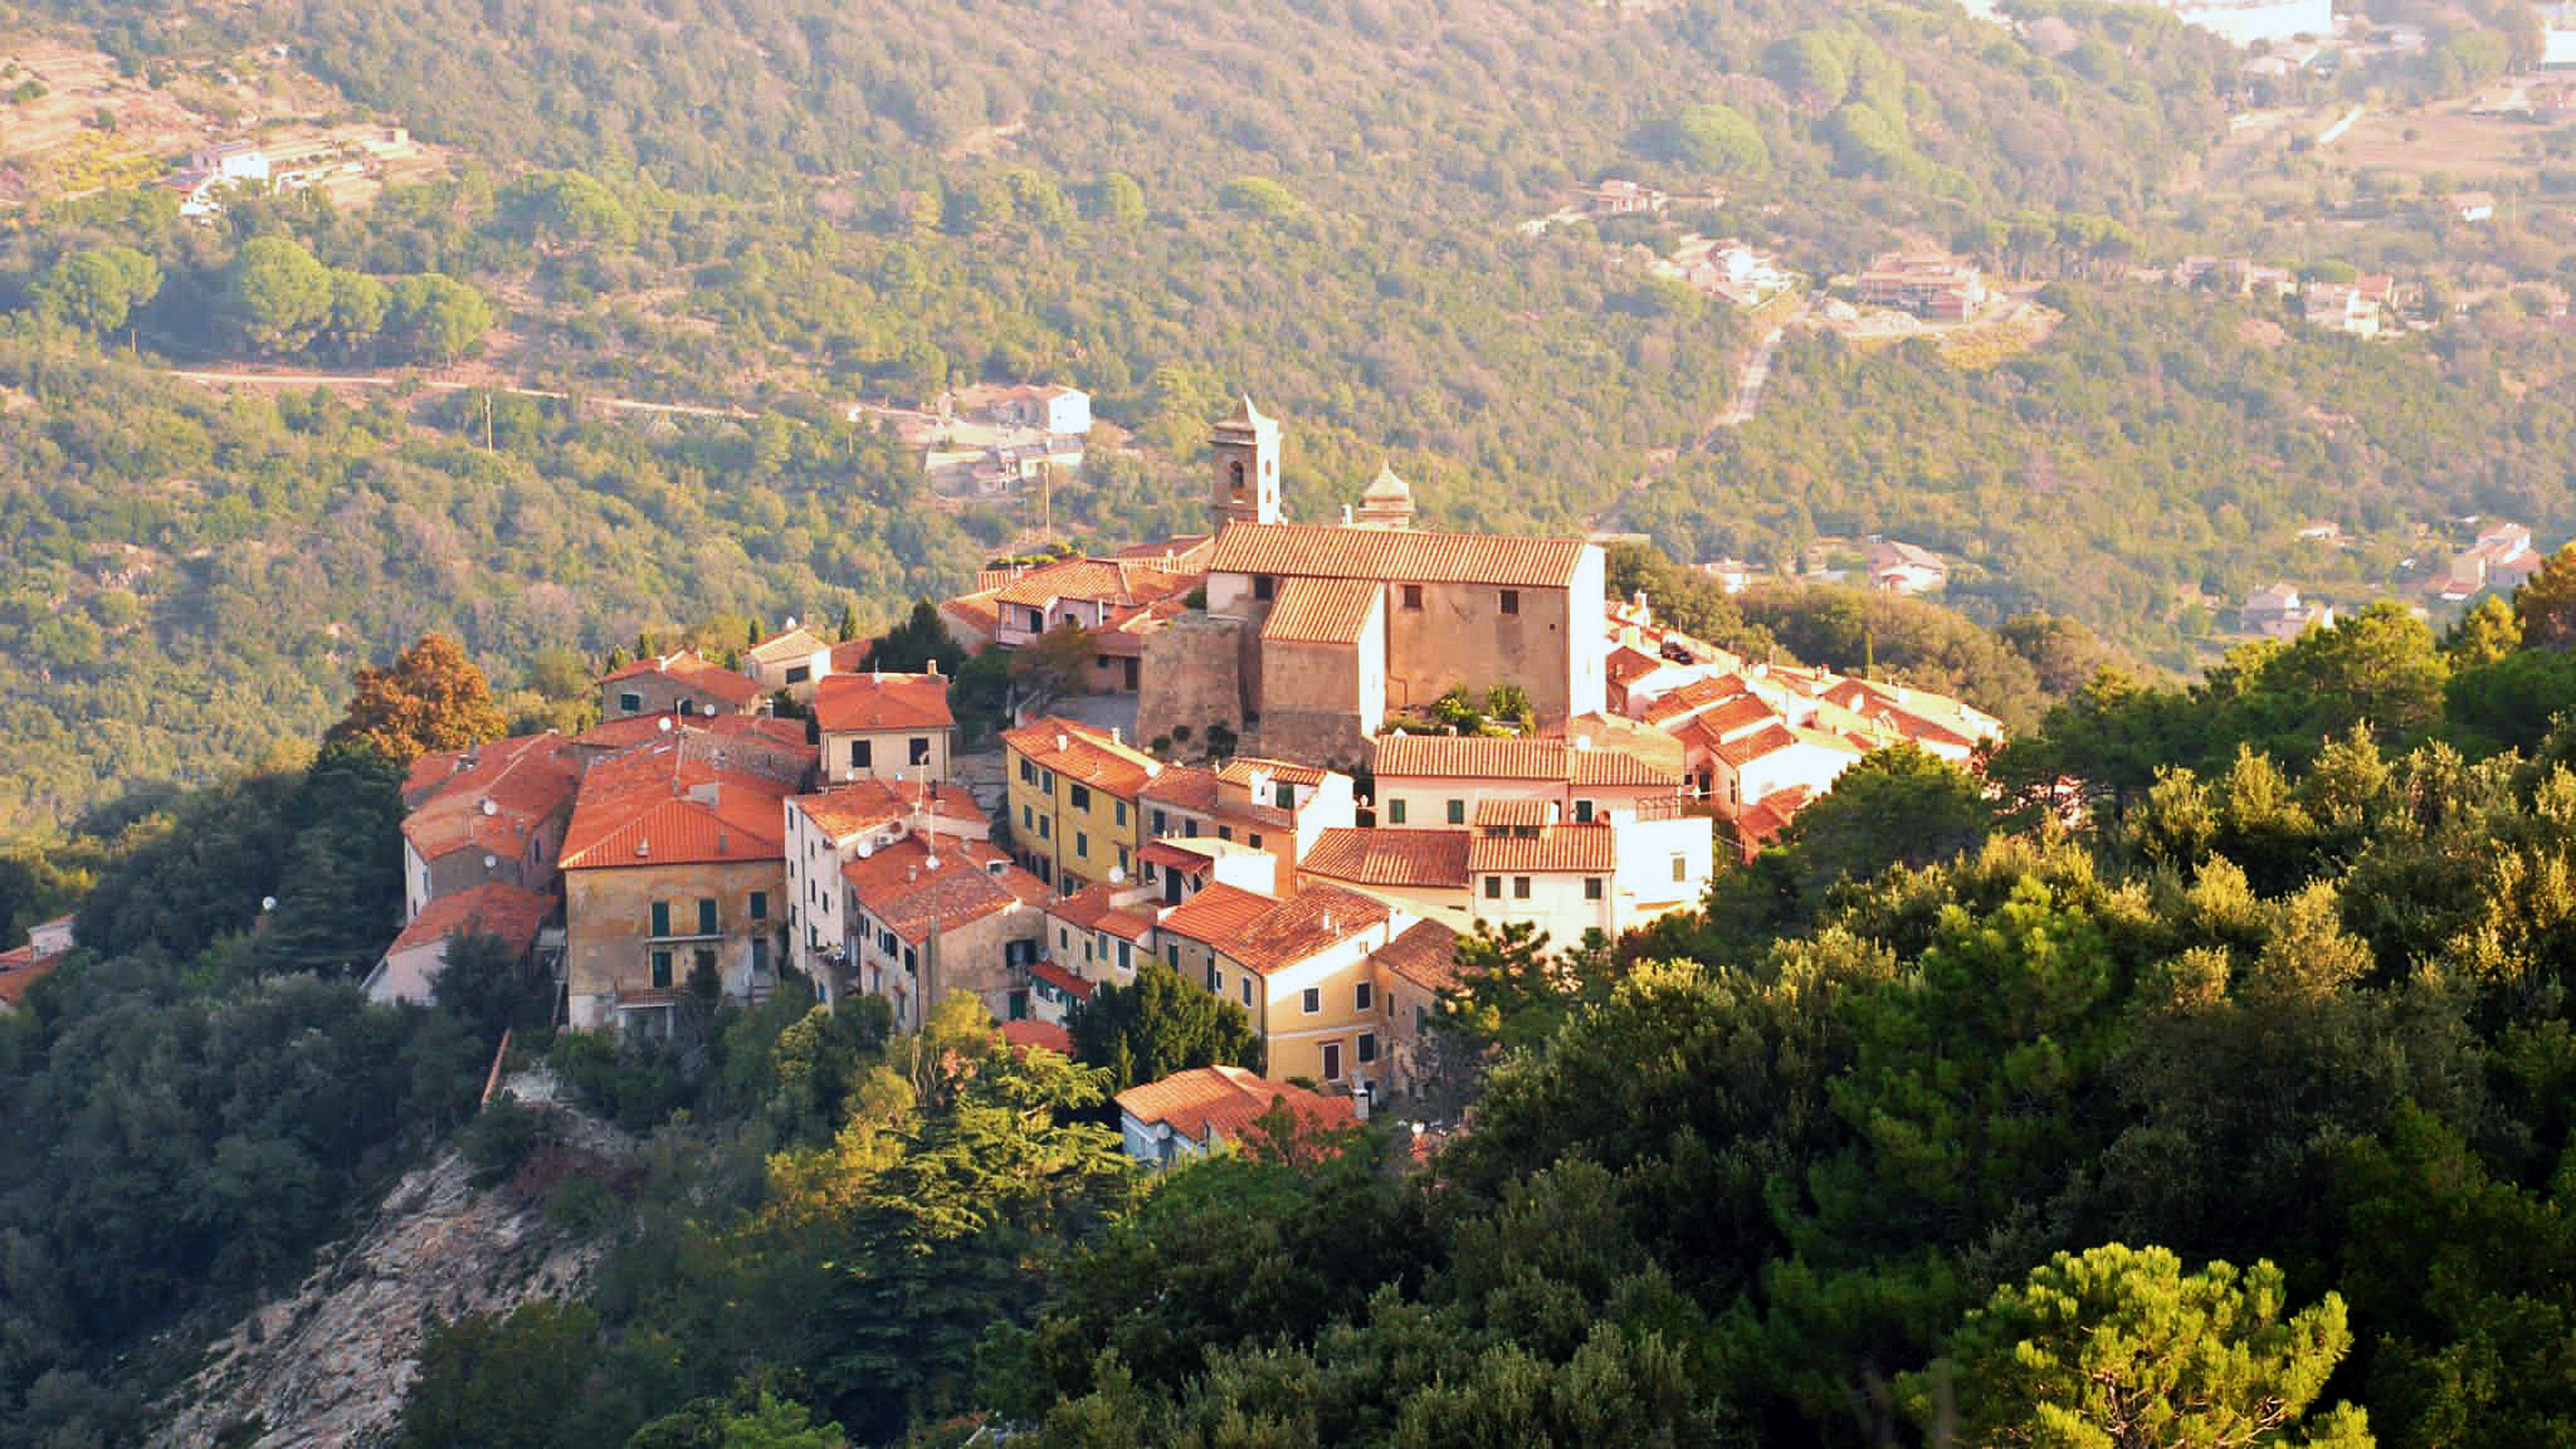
(328, 1366)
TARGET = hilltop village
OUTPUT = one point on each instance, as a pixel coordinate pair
(1309, 758)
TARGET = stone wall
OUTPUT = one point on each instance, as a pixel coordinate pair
(1192, 678)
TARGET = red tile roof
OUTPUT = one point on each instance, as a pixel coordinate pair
(1763, 822)
(900, 888)
(1184, 787)
(498, 803)
(1482, 757)
(1081, 754)
(977, 611)
(1108, 581)
(1242, 768)
(1407, 555)
(1424, 953)
(852, 808)
(1506, 813)
(1030, 1032)
(1301, 927)
(1321, 611)
(494, 908)
(692, 670)
(661, 806)
(1590, 849)
(847, 702)
(20, 970)
(1228, 1100)
(1095, 908)
(1693, 697)
(1626, 664)
(1421, 858)
(1216, 913)
(643, 729)
(1062, 979)
(785, 648)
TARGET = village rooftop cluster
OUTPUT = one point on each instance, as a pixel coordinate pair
(695, 841)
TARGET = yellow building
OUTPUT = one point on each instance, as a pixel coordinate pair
(1074, 808)
(1301, 969)
(879, 726)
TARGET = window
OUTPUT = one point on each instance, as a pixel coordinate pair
(1225, 832)
(1681, 867)
(1284, 795)
(1082, 843)
(661, 918)
(1190, 828)
(1457, 812)
(1493, 888)
(1413, 597)
(1028, 773)
(1122, 859)
(799, 673)
(760, 955)
(886, 942)
(1216, 978)
(1028, 821)
(706, 918)
(920, 750)
(1312, 1000)
(1395, 812)
(1080, 798)
(1511, 601)
(702, 963)
(1247, 990)
(1362, 995)
(1120, 809)
(1582, 812)
(1037, 621)
(1368, 1047)
(909, 961)
(630, 703)
(1421, 1017)
(1520, 887)
(1046, 828)
(1332, 1061)
(1062, 940)
(1263, 586)
(1172, 955)
(760, 905)
(661, 970)
(1592, 887)
(1162, 823)
(1256, 840)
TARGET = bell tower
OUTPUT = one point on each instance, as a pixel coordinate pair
(1244, 487)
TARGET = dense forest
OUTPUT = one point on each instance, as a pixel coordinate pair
(2210, 1072)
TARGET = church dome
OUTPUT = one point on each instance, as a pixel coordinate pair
(1387, 488)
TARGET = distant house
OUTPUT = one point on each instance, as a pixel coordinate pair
(1733, 575)
(1931, 285)
(2473, 206)
(22, 967)
(2277, 612)
(495, 813)
(2337, 307)
(1616, 197)
(232, 161)
(1902, 568)
(1192, 1113)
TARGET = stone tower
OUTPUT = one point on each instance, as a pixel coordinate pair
(1245, 485)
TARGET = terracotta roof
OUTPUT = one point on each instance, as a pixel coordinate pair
(494, 908)
(861, 702)
(1081, 754)
(849, 809)
(1180, 548)
(1030, 1032)
(1771, 739)
(1108, 581)
(1216, 913)
(1229, 1100)
(1241, 769)
(1591, 849)
(1425, 858)
(1916, 714)
(660, 806)
(1184, 787)
(976, 610)
(1321, 611)
(1505, 813)
(1300, 927)
(1061, 979)
(1762, 823)
(497, 804)
(1481, 757)
(1424, 953)
(1292, 549)
(644, 729)
(788, 647)
(1626, 664)
(851, 655)
(1693, 697)
(694, 671)
(1123, 636)
(1171, 856)
(900, 888)
(1096, 908)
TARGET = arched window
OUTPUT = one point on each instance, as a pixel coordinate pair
(1237, 466)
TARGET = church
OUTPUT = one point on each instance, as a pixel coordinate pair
(1314, 634)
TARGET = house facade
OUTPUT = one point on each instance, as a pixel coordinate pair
(879, 726)
(1073, 796)
(684, 682)
(495, 813)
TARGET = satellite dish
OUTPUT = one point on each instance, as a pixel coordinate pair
(791, 621)
(490, 861)
(663, 725)
(1117, 875)
(932, 862)
(268, 903)
(491, 807)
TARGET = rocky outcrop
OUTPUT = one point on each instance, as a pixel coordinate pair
(327, 1366)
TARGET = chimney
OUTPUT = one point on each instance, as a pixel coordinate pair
(934, 669)
(1346, 515)
(1116, 737)
(911, 873)
(1061, 743)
